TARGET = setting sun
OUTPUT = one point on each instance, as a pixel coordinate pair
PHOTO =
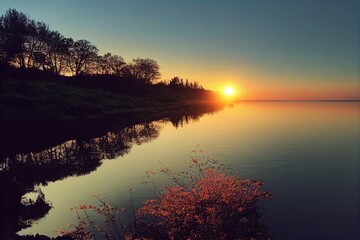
(229, 91)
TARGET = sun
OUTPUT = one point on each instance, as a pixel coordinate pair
(229, 91)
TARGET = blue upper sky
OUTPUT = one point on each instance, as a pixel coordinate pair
(251, 43)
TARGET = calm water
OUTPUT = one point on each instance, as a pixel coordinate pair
(307, 153)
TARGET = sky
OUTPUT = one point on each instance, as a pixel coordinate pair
(276, 49)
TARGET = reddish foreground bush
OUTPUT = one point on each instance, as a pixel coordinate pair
(205, 203)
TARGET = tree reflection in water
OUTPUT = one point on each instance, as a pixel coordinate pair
(21, 172)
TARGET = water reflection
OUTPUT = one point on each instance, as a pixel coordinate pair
(20, 172)
(307, 153)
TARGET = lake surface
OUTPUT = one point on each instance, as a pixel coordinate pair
(307, 153)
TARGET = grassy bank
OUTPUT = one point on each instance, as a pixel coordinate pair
(37, 102)
(38, 113)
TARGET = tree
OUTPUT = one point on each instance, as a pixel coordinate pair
(15, 27)
(2, 39)
(110, 64)
(35, 44)
(82, 57)
(23, 40)
(175, 82)
(187, 83)
(57, 51)
(143, 69)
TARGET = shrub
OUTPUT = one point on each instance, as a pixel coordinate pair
(205, 202)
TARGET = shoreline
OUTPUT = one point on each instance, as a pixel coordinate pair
(20, 139)
(49, 108)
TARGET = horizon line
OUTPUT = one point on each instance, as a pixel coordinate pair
(300, 100)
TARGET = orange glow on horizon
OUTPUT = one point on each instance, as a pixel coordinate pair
(258, 85)
(291, 91)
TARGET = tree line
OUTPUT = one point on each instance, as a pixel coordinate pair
(26, 43)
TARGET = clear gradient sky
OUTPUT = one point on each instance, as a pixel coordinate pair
(266, 49)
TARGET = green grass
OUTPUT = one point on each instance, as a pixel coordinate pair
(49, 101)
